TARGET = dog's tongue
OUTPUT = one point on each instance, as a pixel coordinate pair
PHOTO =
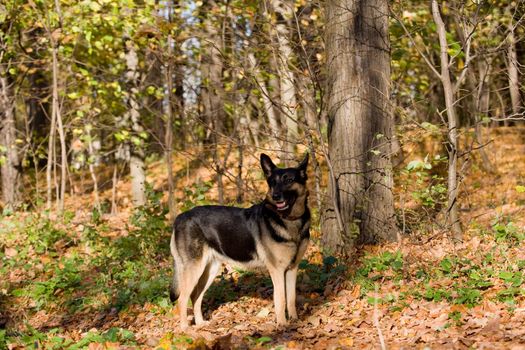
(280, 205)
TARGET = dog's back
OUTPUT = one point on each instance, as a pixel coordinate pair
(229, 231)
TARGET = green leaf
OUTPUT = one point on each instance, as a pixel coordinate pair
(506, 275)
(520, 189)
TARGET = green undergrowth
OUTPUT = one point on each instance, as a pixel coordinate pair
(64, 267)
(495, 274)
(77, 269)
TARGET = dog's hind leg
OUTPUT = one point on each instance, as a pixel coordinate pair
(188, 279)
(206, 279)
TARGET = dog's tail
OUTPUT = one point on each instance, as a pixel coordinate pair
(174, 284)
(174, 287)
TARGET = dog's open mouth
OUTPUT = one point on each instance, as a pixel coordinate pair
(282, 205)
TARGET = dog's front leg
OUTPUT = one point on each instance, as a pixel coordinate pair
(279, 297)
(291, 278)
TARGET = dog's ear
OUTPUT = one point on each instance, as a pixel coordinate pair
(302, 166)
(267, 165)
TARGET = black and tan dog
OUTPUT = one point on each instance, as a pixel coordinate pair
(273, 234)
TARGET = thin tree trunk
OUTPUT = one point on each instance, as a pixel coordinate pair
(168, 111)
(51, 158)
(513, 69)
(211, 68)
(239, 180)
(482, 107)
(284, 10)
(212, 92)
(138, 178)
(268, 106)
(452, 144)
(309, 105)
(91, 167)
(360, 124)
(114, 183)
(136, 162)
(9, 160)
(61, 131)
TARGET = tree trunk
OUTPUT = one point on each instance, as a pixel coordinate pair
(309, 105)
(268, 106)
(137, 167)
(452, 144)
(284, 10)
(481, 105)
(91, 166)
(212, 92)
(61, 132)
(211, 69)
(360, 124)
(513, 69)
(114, 184)
(168, 112)
(9, 162)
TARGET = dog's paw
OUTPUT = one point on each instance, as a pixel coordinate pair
(282, 323)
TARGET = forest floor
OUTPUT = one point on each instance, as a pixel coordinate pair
(99, 281)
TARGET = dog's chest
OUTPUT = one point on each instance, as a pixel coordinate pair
(288, 230)
(281, 244)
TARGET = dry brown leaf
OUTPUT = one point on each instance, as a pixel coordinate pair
(10, 252)
(493, 325)
(263, 313)
(95, 346)
(347, 341)
(314, 320)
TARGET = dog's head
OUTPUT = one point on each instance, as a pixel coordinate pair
(286, 186)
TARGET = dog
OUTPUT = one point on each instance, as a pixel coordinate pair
(273, 235)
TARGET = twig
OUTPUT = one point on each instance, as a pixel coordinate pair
(376, 323)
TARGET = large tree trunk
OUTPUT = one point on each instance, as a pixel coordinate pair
(9, 162)
(452, 214)
(360, 124)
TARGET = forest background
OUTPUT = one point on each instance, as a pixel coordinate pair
(115, 116)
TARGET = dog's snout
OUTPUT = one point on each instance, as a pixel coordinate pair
(277, 196)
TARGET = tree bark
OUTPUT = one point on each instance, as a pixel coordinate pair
(9, 160)
(512, 60)
(168, 111)
(452, 144)
(60, 127)
(284, 10)
(137, 167)
(360, 124)
(268, 106)
(481, 106)
(211, 69)
(91, 166)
